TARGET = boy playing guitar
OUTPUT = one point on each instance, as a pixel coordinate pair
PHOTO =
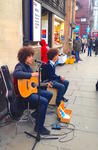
(24, 72)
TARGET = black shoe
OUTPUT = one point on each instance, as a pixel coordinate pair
(57, 104)
(43, 131)
(65, 99)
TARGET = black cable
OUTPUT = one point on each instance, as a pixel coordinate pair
(64, 135)
(68, 126)
(62, 138)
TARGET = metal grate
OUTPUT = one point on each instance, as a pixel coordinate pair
(59, 5)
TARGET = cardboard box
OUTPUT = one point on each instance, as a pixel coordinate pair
(53, 100)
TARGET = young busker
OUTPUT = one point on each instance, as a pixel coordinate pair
(23, 70)
(57, 81)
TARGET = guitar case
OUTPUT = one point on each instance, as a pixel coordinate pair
(12, 103)
(3, 102)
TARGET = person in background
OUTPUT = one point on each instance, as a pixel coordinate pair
(96, 46)
(80, 50)
(90, 45)
(93, 40)
(77, 47)
(43, 51)
(57, 81)
(23, 70)
(83, 44)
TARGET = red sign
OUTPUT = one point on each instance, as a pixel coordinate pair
(43, 33)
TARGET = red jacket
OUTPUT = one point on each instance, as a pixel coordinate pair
(43, 51)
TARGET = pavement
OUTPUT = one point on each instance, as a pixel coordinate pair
(82, 132)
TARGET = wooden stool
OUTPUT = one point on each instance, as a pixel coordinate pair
(53, 99)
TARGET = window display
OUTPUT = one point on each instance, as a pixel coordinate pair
(58, 32)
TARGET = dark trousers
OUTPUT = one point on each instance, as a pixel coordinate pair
(96, 51)
(45, 97)
(83, 47)
(61, 87)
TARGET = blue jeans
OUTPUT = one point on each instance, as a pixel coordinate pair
(45, 97)
(61, 87)
(89, 51)
(77, 56)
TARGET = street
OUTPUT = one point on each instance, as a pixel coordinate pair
(83, 100)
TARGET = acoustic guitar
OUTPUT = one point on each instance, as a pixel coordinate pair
(27, 86)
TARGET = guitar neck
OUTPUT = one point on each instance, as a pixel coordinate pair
(43, 84)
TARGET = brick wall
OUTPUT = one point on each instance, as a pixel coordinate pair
(83, 12)
(70, 12)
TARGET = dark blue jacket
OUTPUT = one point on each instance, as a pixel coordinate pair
(49, 73)
(22, 71)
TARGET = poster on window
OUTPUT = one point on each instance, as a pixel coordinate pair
(36, 21)
(43, 33)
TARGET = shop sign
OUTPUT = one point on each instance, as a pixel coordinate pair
(88, 29)
(83, 19)
(77, 28)
(36, 21)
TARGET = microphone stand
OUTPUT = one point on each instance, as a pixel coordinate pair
(37, 137)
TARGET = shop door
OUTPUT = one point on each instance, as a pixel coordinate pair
(50, 29)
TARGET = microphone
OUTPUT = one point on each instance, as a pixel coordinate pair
(39, 62)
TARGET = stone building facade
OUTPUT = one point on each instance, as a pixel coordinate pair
(16, 27)
(10, 31)
(83, 15)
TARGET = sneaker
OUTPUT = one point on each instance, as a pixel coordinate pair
(43, 131)
(80, 60)
(76, 62)
(34, 114)
(65, 99)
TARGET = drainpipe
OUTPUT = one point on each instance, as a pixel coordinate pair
(25, 9)
(72, 18)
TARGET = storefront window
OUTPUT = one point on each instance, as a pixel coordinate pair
(45, 27)
(58, 32)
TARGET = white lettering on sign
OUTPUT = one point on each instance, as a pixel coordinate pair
(36, 21)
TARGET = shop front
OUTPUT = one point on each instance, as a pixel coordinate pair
(53, 13)
(46, 28)
(58, 32)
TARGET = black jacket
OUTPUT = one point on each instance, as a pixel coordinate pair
(48, 73)
(22, 71)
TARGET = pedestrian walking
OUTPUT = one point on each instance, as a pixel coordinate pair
(90, 44)
(96, 46)
(77, 47)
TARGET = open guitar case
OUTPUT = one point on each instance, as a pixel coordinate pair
(8, 95)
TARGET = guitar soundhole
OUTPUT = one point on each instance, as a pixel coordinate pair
(33, 84)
